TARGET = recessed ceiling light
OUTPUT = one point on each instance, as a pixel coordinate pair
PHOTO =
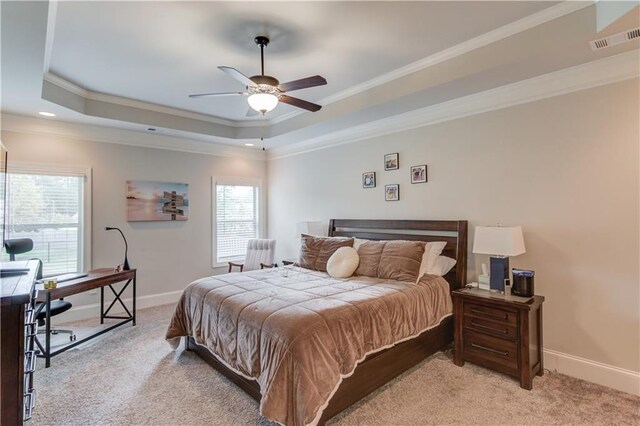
(47, 114)
(249, 144)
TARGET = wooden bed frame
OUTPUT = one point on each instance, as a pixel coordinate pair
(381, 367)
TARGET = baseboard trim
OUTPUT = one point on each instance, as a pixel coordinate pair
(83, 312)
(593, 371)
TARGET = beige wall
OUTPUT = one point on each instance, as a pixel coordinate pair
(169, 255)
(565, 168)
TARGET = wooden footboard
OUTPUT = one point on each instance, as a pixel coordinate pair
(376, 370)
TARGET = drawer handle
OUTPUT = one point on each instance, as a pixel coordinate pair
(484, 348)
(486, 327)
(30, 361)
(31, 329)
(28, 316)
(488, 314)
(28, 405)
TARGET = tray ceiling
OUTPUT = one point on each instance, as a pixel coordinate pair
(132, 65)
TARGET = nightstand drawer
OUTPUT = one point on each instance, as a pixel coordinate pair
(495, 328)
(498, 354)
(490, 313)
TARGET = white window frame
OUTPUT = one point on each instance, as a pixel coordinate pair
(86, 214)
(225, 180)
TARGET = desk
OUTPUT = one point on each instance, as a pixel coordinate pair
(98, 278)
(17, 331)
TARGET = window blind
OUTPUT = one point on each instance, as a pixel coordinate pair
(237, 219)
(48, 208)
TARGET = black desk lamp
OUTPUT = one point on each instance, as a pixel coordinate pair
(126, 247)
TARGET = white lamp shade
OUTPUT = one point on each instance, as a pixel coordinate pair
(263, 102)
(499, 240)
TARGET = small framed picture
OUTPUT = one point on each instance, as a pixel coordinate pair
(391, 161)
(418, 174)
(392, 192)
(369, 180)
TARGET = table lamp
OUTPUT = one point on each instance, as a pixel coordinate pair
(499, 242)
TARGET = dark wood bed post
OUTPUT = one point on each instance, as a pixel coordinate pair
(380, 367)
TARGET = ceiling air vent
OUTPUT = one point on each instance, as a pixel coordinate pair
(615, 39)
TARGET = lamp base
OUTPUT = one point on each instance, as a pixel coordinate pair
(499, 267)
(126, 266)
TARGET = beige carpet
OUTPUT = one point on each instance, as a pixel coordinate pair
(132, 377)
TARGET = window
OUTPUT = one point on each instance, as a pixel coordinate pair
(49, 204)
(236, 218)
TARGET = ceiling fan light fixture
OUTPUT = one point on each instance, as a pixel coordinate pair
(263, 102)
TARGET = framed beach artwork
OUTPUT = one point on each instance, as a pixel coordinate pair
(392, 192)
(157, 201)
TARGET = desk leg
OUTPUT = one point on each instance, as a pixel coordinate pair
(47, 330)
(134, 299)
(101, 305)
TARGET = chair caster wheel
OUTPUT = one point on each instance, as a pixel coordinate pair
(72, 337)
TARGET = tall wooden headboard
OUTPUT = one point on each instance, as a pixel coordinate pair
(454, 232)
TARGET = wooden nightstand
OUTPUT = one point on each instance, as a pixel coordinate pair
(500, 332)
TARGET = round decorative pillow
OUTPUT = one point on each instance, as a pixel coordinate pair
(343, 262)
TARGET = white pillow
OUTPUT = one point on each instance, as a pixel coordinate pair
(442, 265)
(431, 252)
(343, 262)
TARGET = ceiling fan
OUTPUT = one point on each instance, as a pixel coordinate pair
(264, 92)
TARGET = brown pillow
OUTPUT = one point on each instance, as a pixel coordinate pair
(394, 260)
(369, 252)
(400, 260)
(316, 251)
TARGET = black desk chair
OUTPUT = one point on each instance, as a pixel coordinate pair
(25, 245)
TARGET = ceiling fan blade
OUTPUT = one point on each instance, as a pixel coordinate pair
(303, 83)
(237, 75)
(299, 103)
(204, 95)
(251, 112)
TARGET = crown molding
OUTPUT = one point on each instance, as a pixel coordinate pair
(52, 13)
(592, 74)
(87, 132)
(546, 15)
(523, 24)
(119, 100)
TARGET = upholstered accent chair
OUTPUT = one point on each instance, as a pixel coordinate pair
(260, 255)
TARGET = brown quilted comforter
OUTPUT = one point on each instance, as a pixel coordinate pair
(298, 332)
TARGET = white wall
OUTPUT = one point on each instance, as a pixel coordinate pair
(565, 168)
(168, 255)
